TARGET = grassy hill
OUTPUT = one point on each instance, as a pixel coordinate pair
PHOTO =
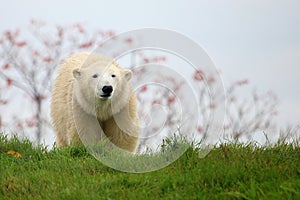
(231, 171)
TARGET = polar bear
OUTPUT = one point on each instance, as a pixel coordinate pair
(93, 95)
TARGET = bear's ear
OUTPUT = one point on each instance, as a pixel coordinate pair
(127, 74)
(76, 73)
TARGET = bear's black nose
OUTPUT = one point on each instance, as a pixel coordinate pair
(107, 89)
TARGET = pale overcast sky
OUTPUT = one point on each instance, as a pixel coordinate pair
(254, 39)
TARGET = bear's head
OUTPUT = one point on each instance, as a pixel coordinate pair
(102, 83)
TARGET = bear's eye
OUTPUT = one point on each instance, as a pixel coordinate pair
(95, 76)
(113, 75)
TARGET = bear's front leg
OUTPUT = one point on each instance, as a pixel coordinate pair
(87, 127)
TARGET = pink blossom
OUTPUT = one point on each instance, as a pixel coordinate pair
(8, 82)
(156, 102)
(144, 88)
(6, 66)
(3, 102)
(86, 45)
(198, 75)
(128, 40)
(171, 99)
(242, 82)
(21, 44)
(199, 129)
(47, 59)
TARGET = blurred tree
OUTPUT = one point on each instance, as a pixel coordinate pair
(29, 61)
(245, 115)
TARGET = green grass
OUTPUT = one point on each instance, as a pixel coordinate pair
(232, 171)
